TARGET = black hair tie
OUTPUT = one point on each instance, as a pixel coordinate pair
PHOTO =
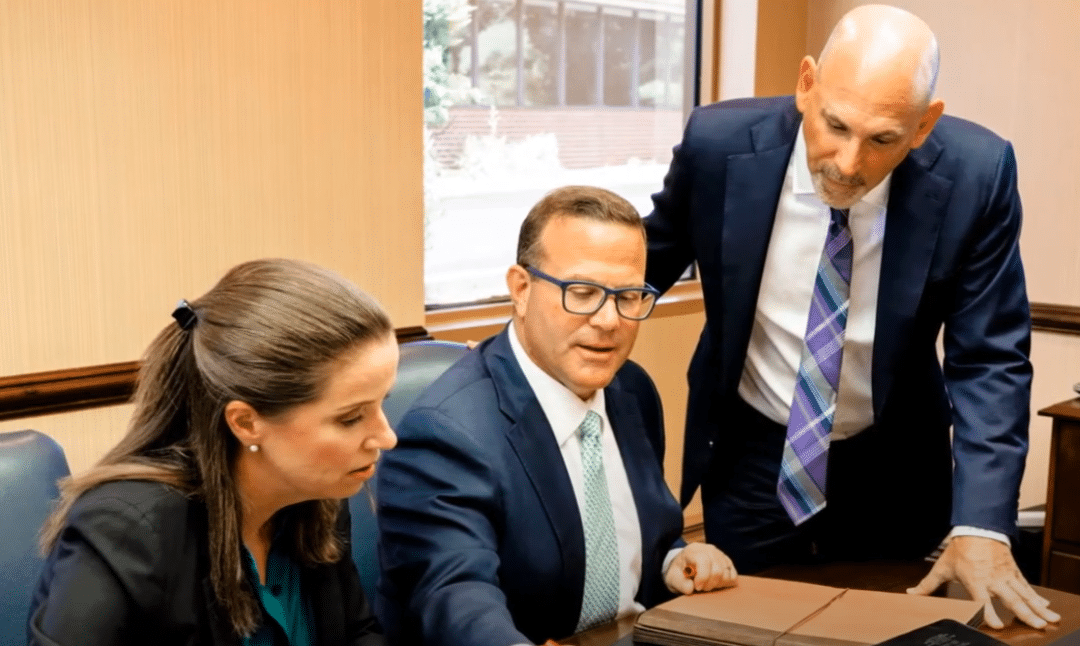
(184, 315)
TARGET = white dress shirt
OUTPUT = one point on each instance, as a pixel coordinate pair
(776, 340)
(787, 287)
(565, 411)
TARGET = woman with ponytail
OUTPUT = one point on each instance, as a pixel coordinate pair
(218, 518)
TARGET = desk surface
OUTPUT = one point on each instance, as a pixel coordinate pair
(886, 576)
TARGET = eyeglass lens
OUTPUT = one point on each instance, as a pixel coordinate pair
(583, 298)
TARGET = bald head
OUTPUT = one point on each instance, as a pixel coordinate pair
(879, 42)
(868, 101)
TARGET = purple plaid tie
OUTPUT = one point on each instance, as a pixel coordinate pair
(801, 486)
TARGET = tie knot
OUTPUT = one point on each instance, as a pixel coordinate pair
(590, 427)
(840, 217)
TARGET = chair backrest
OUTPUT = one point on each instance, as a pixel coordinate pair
(30, 465)
(420, 364)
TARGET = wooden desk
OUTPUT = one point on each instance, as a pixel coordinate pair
(898, 576)
(880, 575)
(1061, 541)
(612, 634)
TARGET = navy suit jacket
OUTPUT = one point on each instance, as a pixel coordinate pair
(950, 260)
(481, 541)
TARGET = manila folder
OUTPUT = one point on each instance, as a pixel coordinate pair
(768, 612)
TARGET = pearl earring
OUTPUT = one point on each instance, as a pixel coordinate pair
(254, 448)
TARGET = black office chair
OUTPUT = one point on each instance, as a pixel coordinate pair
(420, 364)
(30, 465)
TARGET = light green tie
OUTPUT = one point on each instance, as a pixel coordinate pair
(600, 601)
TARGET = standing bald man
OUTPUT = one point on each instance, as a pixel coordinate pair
(837, 233)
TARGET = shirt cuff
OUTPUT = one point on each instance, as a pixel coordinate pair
(672, 553)
(968, 530)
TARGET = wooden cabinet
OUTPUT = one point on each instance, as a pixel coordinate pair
(1061, 544)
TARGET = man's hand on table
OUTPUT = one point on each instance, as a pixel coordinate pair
(987, 569)
(700, 567)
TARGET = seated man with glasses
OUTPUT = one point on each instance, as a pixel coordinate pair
(526, 500)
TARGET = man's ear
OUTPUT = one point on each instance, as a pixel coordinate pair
(517, 281)
(244, 423)
(927, 121)
(805, 84)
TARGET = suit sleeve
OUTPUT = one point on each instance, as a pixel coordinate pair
(668, 226)
(439, 506)
(987, 339)
(104, 584)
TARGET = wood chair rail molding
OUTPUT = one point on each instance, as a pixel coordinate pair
(57, 391)
(1053, 317)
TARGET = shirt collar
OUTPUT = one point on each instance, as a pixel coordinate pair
(564, 410)
(803, 184)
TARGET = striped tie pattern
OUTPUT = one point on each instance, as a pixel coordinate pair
(801, 485)
(600, 600)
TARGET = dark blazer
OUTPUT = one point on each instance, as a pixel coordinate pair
(131, 567)
(950, 260)
(481, 541)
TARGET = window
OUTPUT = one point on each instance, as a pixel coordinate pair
(522, 96)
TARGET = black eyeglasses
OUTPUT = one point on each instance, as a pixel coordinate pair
(586, 298)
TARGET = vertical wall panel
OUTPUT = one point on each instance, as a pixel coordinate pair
(781, 44)
(146, 146)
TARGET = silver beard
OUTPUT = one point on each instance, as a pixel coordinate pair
(834, 201)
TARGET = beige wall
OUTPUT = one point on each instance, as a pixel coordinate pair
(1010, 65)
(781, 44)
(146, 147)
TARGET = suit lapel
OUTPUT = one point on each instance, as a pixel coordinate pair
(533, 442)
(912, 221)
(327, 604)
(752, 189)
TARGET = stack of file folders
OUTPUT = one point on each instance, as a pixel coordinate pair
(774, 612)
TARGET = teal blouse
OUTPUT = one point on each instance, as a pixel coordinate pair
(282, 601)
